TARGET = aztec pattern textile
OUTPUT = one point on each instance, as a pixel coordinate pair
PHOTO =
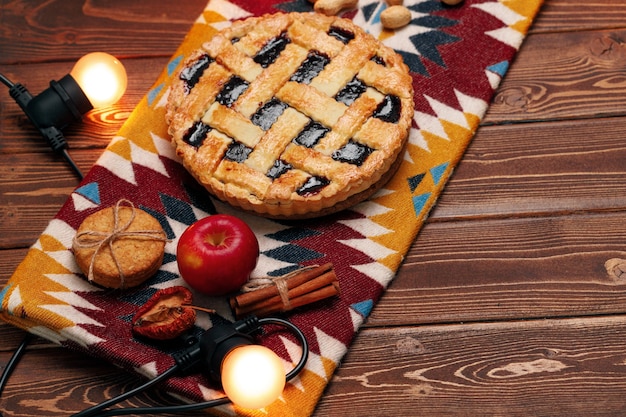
(457, 56)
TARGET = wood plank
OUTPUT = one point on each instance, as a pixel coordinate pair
(571, 367)
(507, 171)
(56, 30)
(70, 383)
(541, 368)
(508, 269)
(9, 260)
(563, 15)
(522, 230)
(467, 271)
(32, 191)
(562, 76)
(539, 168)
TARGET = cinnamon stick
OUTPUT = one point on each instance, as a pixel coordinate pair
(270, 291)
(303, 287)
(307, 287)
(317, 295)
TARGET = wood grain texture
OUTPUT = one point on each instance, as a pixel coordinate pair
(503, 306)
(503, 269)
(69, 384)
(65, 30)
(542, 168)
(567, 367)
(565, 75)
(570, 16)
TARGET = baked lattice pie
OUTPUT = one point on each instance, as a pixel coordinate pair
(291, 115)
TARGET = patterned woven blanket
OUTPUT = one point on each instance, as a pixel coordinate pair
(457, 56)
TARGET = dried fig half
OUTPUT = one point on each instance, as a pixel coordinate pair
(166, 315)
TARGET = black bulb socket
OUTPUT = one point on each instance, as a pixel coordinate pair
(63, 103)
(53, 109)
(216, 343)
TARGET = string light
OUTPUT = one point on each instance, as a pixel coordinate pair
(97, 80)
(101, 77)
(253, 376)
(219, 352)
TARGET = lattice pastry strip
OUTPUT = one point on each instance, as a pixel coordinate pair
(208, 156)
(263, 88)
(313, 39)
(251, 36)
(190, 102)
(275, 140)
(291, 115)
(341, 70)
(312, 102)
(223, 51)
(350, 122)
(237, 177)
(392, 83)
(233, 124)
(338, 174)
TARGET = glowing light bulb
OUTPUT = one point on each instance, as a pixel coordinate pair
(253, 376)
(101, 77)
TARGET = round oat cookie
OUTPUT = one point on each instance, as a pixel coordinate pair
(120, 246)
(291, 115)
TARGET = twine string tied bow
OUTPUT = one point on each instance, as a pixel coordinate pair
(280, 282)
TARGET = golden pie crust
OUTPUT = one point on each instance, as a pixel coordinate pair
(292, 115)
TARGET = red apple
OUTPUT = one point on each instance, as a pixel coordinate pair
(216, 254)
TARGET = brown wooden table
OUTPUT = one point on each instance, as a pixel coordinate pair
(503, 306)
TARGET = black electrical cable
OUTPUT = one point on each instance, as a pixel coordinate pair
(72, 163)
(183, 362)
(19, 352)
(166, 409)
(52, 134)
(303, 342)
(13, 361)
(57, 142)
(6, 81)
(99, 407)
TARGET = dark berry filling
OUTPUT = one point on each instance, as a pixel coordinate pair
(312, 186)
(192, 73)
(237, 152)
(310, 67)
(351, 92)
(271, 50)
(343, 35)
(353, 153)
(389, 110)
(266, 116)
(311, 134)
(231, 91)
(196, 134)
(378, 60)
(278, 169)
